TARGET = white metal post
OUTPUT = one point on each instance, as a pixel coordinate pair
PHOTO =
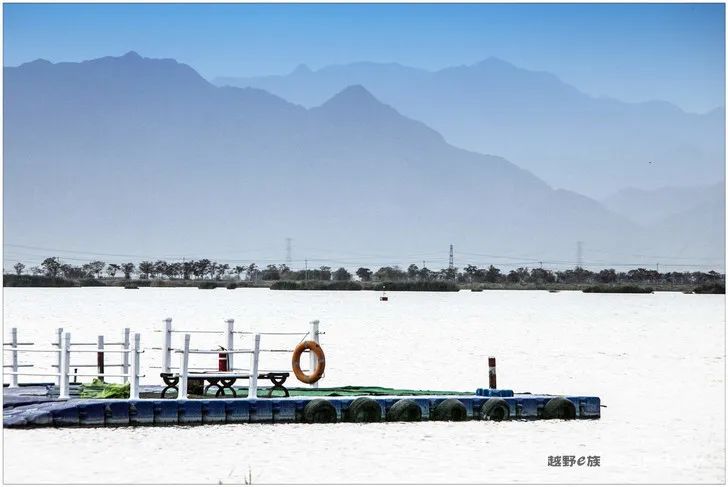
(167, 346)
(14, 355)
(59, 338)
(312, 356)
(253, 386)
(184, 369)
(134, 383)
(64, 390)
(230, 342)
(125, 355)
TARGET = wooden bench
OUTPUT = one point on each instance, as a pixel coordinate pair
(225, 380)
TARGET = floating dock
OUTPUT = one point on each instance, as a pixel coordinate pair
(27, 407)
(63, 403)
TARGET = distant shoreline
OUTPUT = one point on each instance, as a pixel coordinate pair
(11, 280)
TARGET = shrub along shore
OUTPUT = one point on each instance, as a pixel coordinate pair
(209, 274)
(12, 280)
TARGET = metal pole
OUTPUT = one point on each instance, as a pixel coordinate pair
(185, 365)
(230, 342)
(59, 337)
(491, 373)
(167, 346)
(125, 355)
(14, 355)
(253, 386)
(100, 358)
(134, 386)
(312, 356)
(64, 390)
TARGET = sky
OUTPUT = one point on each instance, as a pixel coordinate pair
(632, 52)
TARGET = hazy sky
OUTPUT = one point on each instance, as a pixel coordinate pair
(633, 52)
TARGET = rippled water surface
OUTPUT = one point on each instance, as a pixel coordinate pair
(657, 361)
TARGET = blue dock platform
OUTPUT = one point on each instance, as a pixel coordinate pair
(29, 407)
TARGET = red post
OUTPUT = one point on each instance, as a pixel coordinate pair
(491, 373)
(222, 361)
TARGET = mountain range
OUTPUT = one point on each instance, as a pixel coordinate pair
(143, 156)
(571, 140)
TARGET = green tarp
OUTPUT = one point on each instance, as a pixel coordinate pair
(101, 390)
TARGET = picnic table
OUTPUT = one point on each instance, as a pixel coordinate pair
(225, 380)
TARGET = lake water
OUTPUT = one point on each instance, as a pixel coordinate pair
(657, 362)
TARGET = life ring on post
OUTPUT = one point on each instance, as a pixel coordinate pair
(316, 349)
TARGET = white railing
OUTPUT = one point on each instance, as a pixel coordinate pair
(186, 351)
(63, 347)
(100, 364)
(229, 333)
(14, 344)
(167, 349)
(130, 356)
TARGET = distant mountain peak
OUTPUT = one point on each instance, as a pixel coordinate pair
(353, 96)
(166, 74)
(356, 101)
(38, 62)
(302, 69)
(493, 61)
(131, 55)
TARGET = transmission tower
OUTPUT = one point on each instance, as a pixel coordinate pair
(452, 261)
(288, 250)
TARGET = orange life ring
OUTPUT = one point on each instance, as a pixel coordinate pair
(316, 349)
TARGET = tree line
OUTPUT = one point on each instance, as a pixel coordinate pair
(53, 267)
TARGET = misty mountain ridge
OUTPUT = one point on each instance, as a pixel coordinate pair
(487, 65)
(594, 145)
(144, 156)
(652, 207)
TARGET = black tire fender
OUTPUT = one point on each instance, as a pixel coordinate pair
(319, 411)
(495, 409)
(559, 408)
(364, 410)
(404, 410)
(450, 410)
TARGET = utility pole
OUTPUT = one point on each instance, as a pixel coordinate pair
(452, 261)
(288, 250)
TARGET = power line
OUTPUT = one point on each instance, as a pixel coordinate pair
(16, 252)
